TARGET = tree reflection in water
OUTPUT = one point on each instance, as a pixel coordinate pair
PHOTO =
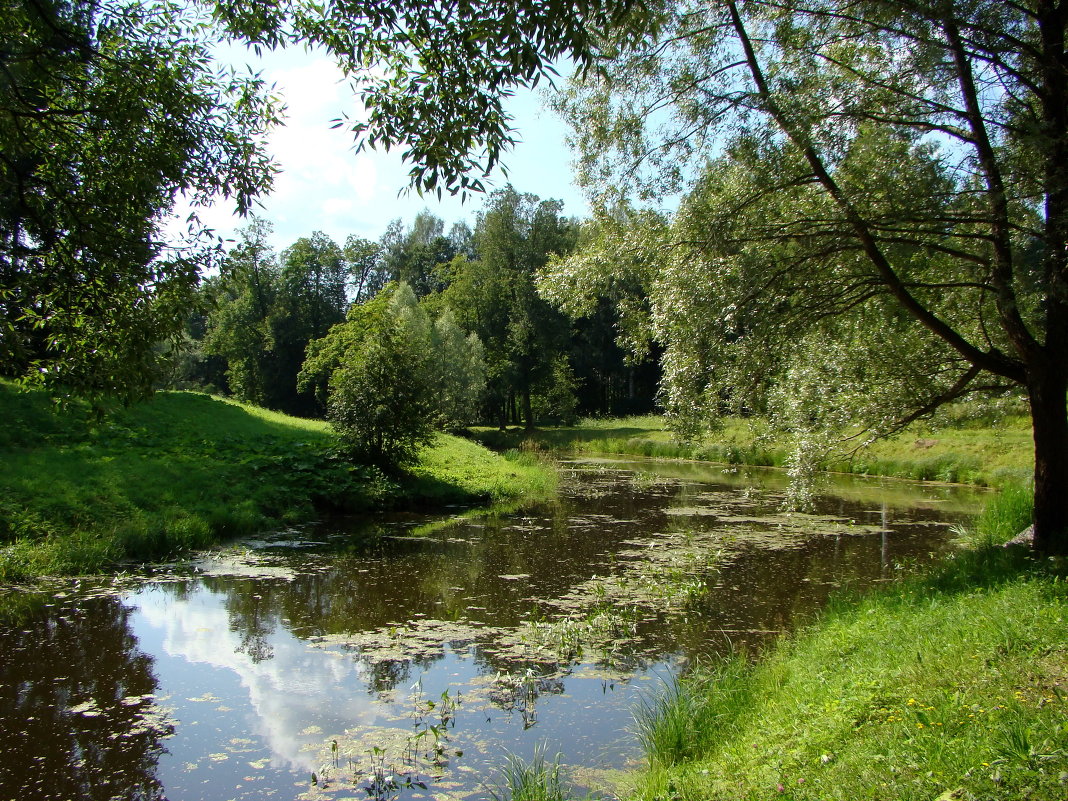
(77, 716)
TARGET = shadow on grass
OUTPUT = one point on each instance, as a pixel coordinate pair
(989, 567)
(430, 492)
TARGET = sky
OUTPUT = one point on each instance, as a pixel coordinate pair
(325, 186)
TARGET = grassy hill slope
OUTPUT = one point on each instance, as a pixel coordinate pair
(184, 470)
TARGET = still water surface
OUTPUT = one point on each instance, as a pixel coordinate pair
(351, 660)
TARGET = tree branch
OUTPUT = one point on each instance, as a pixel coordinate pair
(994, 361)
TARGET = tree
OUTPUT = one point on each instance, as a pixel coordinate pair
(413, 256)
(266, 311)
(312, 298)
(315, 282)
(187, 363)
(462, 240)
(379, 404)
(239, 327)
(615, 357)
(367, 274)
(390, 377)
(109, 110)
(112, 109)
(885, 180)
(458, 372)
(494, 296)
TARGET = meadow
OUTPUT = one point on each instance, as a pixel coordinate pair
(82, 493)
(961, 445)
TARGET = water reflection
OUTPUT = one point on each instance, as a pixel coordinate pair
(286, 685)
(304, 653)
(77, 719)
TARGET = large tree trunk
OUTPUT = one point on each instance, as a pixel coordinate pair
(1048, 389)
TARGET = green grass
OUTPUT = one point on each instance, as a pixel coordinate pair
(1005, 515)
(950, 685)
(537, 780)
(79, 494)
(974, 453)
(455, 469)
(962, 450)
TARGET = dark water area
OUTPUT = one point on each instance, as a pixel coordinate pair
(405, 657)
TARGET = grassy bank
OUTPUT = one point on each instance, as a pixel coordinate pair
(951, 685)
(185, 470)
(984, 452)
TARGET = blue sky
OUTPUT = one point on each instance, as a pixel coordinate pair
(325, 186)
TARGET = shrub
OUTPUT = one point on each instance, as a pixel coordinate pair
(380, 403)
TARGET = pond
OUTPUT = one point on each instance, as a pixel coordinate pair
(408, 656)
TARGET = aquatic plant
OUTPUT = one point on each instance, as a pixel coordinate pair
(383, 782)
(537, 780)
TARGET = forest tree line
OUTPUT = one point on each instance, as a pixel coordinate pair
(272, 328)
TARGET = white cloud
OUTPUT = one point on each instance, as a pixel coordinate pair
(300, 696)
(324, 185)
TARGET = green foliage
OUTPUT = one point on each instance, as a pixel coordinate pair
(948, 683)
(367, 273)
(108, 111)
(458, 372)
(266, 312)
(390, 376)
(238, 328)
(413, 256)
(537, 780)
(380, 402)
(434, 78)
(1005, 515)
(863, 260)
(312, 298)
(327, 354)
(556, 399)
(614, 261)
(494, 296)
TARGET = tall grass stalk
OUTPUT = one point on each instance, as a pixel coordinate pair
(537, 780)
(1005, 514)
(687, 715)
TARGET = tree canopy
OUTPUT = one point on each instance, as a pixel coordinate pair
(875, 213)
(107, 111)
(494, 296)
(111, 109)
(389, 376)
